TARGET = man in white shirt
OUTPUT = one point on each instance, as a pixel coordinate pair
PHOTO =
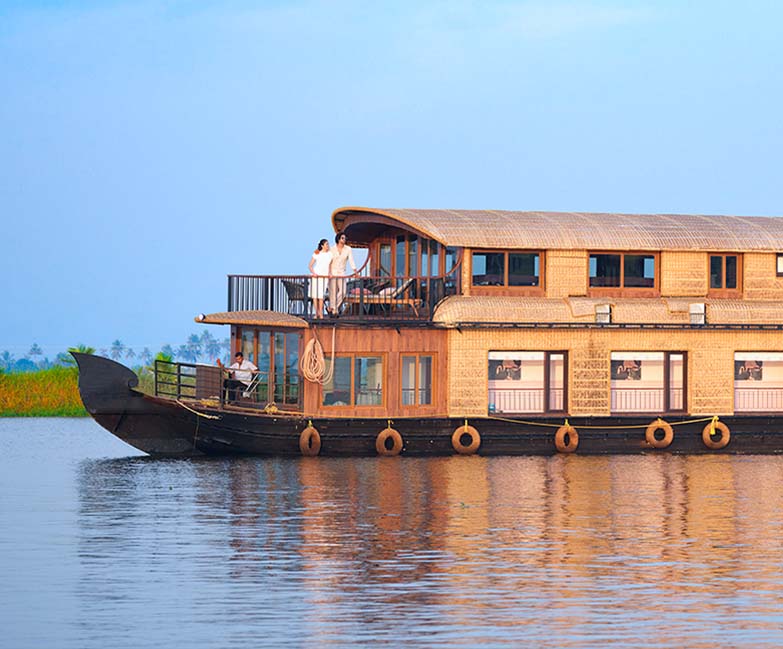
(342, 255)
(240, 376)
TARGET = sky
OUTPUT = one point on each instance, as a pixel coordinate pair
(149, 149)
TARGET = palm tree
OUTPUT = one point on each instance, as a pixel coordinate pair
(129, 353)
(210, 345)
(166, 350)
(146, 356)
(7, 360)
(35, 350)
(117, 349)
(194, 344)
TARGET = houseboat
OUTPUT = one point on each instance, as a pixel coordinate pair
(488, 332)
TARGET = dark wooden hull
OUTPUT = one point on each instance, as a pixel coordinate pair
(164, 427)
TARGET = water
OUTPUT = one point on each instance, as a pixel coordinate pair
(101, 547)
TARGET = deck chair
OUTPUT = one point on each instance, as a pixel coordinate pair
(297, 295)
(251, 391)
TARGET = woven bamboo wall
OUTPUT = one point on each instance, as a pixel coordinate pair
(566, 273)
(710, 363)
(684, 273)
(760, 278)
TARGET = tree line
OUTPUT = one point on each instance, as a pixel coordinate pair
(198, 348)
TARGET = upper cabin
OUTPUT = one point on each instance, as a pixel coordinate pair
(576, 267)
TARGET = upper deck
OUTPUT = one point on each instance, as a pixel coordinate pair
(416, 258)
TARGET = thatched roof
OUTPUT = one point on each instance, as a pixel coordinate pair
(480, 309)
(573, 230)
(256, 318)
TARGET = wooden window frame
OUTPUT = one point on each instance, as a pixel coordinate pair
(622, 290)
(271, 379)
(725, 292)
(778, 264)
(433, 385)
(384, 389)
(480, 289)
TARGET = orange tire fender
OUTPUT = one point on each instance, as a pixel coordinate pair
(566, 439)
(654, 427)
(383, 436)
(310, 441)
(457, 440)
(713, 428)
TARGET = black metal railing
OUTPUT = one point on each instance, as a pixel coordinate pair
(358, 297)
(188, 381)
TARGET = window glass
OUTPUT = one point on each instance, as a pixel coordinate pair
(385, 261)
(292, 368)
(489, 268)
(425, 258)
(604, 270)
(639, 270)
(780, 264)
(716, 271)
(248, 345)
(399, 254)
(731, 271)
(413, 257)
(264, 361)
(451, 260)
(368, 381)
(425, 380)
(523, 269)
(435, 258)
(279, 342)
(408, 380)
(337, 390)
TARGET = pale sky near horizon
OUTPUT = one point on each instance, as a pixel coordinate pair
(148, 149)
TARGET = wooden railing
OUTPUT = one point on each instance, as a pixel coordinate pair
(364, 297)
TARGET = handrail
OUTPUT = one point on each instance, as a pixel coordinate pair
(361, 296)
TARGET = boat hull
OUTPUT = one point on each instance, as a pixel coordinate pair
(171, 428)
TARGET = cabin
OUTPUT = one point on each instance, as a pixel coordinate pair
(476, 313)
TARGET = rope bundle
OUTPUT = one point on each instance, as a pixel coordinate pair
(313, 363)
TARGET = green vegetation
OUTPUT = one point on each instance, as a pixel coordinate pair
(33, 386)
(46, 393)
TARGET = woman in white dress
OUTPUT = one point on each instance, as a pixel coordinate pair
(319, 273)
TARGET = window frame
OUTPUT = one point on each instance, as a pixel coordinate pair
(547, 381)
(352, 401)
(667, 409)
(478, 289)
(779, 264)
(433, 383)
(622, 290)
(270, 383)
(723, 291)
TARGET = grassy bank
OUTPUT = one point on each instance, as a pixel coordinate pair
(46, 393)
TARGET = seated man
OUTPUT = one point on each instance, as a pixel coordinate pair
(240, 376)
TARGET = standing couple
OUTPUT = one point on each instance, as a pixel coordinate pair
(329, 264)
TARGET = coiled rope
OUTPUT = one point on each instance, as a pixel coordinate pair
(313, 364)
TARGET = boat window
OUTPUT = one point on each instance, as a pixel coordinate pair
(356, 380)
(724, 274)
(413, 257)
(506, 268)
(647, 382)
(435, 258)
(248, 346)
(758, 382)
(526, 381)
(622, 270)
(779, 265)
(385, 260)
(416, 380)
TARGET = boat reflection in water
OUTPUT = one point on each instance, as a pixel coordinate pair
(561, 551)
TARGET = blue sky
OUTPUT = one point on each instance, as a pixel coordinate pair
(148, 149)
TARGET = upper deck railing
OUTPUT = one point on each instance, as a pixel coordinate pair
(365, 298)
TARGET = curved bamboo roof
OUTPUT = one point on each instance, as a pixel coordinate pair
(458, 310)
(256, 318)
(575, 230)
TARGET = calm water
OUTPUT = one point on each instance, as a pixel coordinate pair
(103, 548)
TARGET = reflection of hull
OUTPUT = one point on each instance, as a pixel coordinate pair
(166, 427)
